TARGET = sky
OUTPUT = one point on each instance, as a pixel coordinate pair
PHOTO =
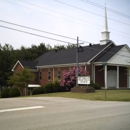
(68, 18)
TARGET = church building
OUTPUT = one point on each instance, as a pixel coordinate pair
(106, 62)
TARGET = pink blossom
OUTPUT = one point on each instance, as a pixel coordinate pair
(69, 77)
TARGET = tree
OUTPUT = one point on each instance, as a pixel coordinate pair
(70, 46)
(5, 63)
(69, 77)
(21, 79)
(59, 47)
(9, 56)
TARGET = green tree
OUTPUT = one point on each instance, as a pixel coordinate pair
(59, 47)
(9, 56)
(5, 63)
(21, 79)
(71, 46)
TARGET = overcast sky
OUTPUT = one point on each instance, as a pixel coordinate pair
(70, 18)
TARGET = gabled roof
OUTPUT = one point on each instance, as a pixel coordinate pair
(29, 64)
(24, 63)
(68, 56)
(109, 53)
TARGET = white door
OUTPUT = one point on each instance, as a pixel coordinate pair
(111, 78)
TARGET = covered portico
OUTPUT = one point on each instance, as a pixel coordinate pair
(112, 76)
(116, 78)
(112, 70)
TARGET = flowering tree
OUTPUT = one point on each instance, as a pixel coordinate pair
(69, 77)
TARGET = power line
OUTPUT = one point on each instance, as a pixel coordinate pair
(70, 16)
(90, 12)
(55, 39)
(47, 14)
(62, 18)
(50, 14)
(35, 34)
(49, 32)
(108, 9)
(109, 51)
(59, 12)
(42, 31)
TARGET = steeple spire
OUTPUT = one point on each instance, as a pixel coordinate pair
(105, 33)
(106, 26)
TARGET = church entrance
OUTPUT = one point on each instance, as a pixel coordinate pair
(112, 78)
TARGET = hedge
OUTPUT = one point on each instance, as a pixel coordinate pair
(39, 90)
(5, 93)
(14, 92)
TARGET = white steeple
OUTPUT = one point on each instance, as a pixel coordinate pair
(105, 33)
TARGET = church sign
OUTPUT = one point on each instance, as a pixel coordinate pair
(84, 80)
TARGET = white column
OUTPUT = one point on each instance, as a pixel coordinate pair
(94, 73)
(128, 78)
(105, 78)
(117, 84)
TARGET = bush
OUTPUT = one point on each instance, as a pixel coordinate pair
(57, 87)
(5, 93)
(49, 88)
(39, 90)
(14, 92)
(96, 86)
(68, 80)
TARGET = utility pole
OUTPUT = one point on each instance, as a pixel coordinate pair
(77, 60)
(78, 49)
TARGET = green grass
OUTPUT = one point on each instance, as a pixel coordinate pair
(111, 95)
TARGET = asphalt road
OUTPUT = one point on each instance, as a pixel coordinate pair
(45, 113)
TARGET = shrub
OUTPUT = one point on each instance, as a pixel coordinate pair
(49, 88)
(68, 80)
(39, 90)
(57, 87)
(14, 92)
(96, 86)
(5, 93)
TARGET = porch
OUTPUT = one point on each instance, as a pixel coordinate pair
(111, 76)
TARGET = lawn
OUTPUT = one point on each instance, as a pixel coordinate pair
(111, 95)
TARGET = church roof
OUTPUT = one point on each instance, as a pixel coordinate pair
(109, 53)
(29, 64)
(95, 53)
(68, 56)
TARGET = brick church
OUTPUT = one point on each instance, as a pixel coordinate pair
(106, 63)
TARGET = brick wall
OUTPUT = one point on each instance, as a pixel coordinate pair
(18, 68)
(36, 78)
(122, 77)
(45, 71)
(99, 75)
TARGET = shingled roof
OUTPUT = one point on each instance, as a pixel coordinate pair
(109, 53)
(68, 56)
(29, 64)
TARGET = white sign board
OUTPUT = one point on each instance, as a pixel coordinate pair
(83, 79)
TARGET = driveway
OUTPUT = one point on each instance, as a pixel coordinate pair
(51, 113)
